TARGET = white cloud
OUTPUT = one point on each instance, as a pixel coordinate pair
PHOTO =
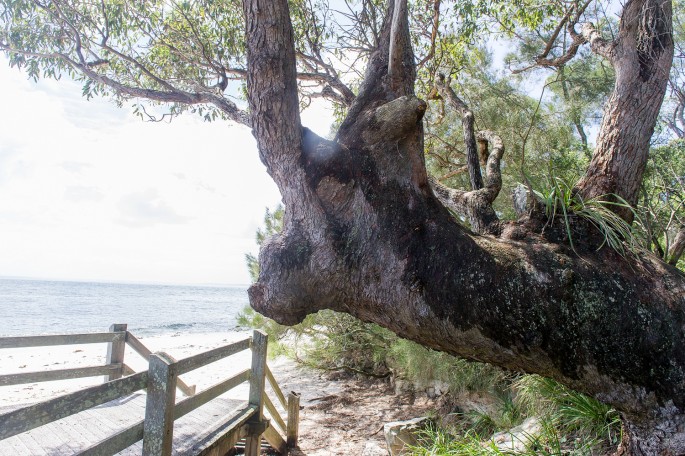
(75, 167)
(79, 193)
(191, 193)
(147, 209)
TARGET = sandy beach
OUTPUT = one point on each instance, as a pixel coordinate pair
(339, 416)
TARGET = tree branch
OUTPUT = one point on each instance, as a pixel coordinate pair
(677, 247)
(401, 70)
(434, 34)
(467, 122)
(171, 96)
(476, 205)
(599, 45)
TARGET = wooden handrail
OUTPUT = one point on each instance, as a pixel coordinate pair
(58, 374)
(276, 389)
(202, 359)
(274, 413)
(293, 428)
(32, 416)
(145, 352)
(258, 345)
(117, 442)
(60, 339)
(191, 403)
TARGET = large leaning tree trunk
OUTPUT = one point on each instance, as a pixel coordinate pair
(365, 234)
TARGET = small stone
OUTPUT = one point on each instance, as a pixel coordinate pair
(400, 435)
(518, 438)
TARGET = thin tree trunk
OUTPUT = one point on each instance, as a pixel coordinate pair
(641, 57)
(677, 248)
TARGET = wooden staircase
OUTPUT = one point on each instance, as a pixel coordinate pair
(203, 422)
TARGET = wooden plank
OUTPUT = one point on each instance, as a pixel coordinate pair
(57, 374)
(293, 430)
(159, 407)
(32, 416)
(202, 359)
(257, 380)
(145, 352)
(137, 346)
(225, 435)
(116, 443)
(28, 441)
(276, 389)
(189, 404)
(52, 441)
(70, 431)
(60, 339)
(275, 440)
(274, 413)
(14, 446)
(116, 350)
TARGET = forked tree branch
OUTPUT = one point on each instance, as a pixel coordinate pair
(476, 205)
(467, 121)
(588, 34)
(384, 82)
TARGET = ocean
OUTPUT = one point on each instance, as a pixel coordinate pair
(32, 307)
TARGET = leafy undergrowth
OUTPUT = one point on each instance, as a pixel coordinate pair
(476, 400)
(568, 423)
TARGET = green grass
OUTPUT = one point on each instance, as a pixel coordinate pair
(560, 200)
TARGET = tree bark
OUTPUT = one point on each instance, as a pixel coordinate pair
(365, 234)
(641, 56)
(677, 248)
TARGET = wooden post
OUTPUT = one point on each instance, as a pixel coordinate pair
(115, 352)
(257, 380)
(158, 430)
(292, 430)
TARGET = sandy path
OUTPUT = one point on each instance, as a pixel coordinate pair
(338, 416)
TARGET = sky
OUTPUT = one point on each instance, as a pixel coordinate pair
(90, 192)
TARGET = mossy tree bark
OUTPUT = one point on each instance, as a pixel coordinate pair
(365, 234)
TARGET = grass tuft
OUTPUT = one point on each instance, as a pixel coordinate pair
(560, 199)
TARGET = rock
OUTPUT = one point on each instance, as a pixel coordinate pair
(517, 438)
(374, 449)
(399, 435)
(522, 199)
(441, 388)
(402, 386)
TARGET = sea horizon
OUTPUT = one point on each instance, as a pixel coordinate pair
(30, 306)
(127, 282)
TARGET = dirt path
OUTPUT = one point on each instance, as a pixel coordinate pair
(341, 415)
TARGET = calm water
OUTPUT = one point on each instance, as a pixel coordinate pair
(30, 307)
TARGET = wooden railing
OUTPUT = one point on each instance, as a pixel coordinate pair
(160, 382)
(117, 338)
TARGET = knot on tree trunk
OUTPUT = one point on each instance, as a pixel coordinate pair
(393, 120)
